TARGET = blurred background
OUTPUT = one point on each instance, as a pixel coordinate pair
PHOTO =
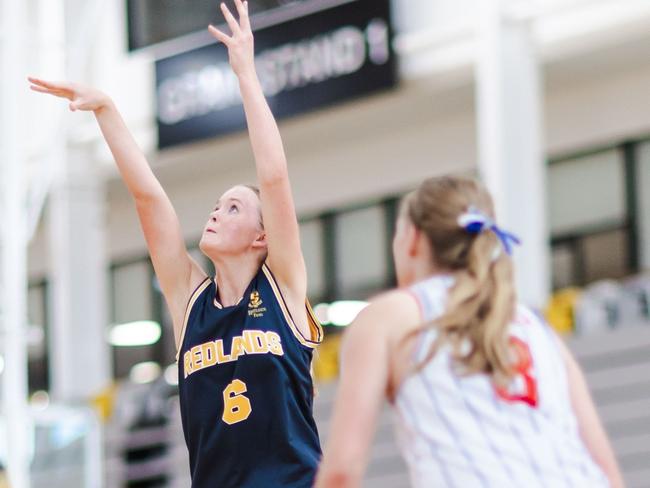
(547, 101)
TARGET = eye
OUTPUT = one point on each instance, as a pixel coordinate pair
(233, 209)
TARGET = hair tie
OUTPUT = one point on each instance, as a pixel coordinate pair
(474, 222)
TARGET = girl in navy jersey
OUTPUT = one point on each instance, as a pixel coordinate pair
(245, 337)
(486, 395)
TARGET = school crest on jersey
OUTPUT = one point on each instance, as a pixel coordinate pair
(255, 308)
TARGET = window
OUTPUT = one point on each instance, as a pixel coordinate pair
(563, 263)
(311, 238)
(132, 290)
(642, 179)
(606, 255)
(37, 337)
(361, 260)
(586, 192)
(590, 217)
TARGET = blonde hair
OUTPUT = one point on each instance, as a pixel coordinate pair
(482, 301)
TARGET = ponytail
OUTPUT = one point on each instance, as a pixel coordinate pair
(482, 301)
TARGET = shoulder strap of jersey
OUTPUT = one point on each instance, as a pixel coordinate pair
(316, 331)
(188, 309)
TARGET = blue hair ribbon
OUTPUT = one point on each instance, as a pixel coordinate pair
(474, 222)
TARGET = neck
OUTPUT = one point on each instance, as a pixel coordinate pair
(424, 268)
(233, 275)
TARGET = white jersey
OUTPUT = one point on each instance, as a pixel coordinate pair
(458, 431)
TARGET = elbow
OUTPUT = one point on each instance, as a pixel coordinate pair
(271, 177)
(339, 474)
(338, 478)
(146, 197)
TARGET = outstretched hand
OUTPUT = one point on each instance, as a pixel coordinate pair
(240, 43)
(81, 97)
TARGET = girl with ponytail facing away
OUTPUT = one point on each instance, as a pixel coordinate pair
(486, 395)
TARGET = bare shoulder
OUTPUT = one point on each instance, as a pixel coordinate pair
(397, 298)
(391, 314)
(380, 331)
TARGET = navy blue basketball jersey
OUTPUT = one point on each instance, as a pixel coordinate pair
(246, 390)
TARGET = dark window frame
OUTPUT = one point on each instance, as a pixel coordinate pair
(628, 152)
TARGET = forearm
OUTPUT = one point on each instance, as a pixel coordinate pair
(332, 477)
(130, 161)
(263, 131)
(590, 426)
(600, 449)
(158, 220)
(612, 471)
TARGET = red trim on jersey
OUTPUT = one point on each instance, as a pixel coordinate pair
(416, 297)
(524, 369)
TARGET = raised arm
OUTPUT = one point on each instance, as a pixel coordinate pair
(591, 428)
(280, 222)
(368, 358)
(176, 271)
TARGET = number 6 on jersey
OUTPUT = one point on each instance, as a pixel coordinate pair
(236, 407)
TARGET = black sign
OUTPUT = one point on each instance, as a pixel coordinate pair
(154, 21)
(306, 63)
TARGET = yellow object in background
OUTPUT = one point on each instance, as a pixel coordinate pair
(560, 309)
(103, 402)
(326, 360)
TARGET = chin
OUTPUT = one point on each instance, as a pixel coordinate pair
(207, 248)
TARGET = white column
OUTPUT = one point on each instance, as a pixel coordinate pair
(13, 245)
(511, 158)
(80, 355)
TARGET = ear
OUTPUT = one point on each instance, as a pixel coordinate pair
(413, 236)
(260, 241)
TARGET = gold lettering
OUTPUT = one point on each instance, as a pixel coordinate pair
(197, 358)
(221, 357)
(236, 348)
(187, 361)
(247, 343)
(274, 343)
(209, 354)
(258, 340)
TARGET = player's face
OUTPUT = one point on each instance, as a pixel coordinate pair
(234, 226)
(403, 243)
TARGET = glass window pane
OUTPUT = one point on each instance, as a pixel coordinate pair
(643, 202)
(361, 251)
(36, 337)
(132, 288)
(606, 255)
(563, 266)
(311, 239)
(132, 292)
(586, 192)
(36, 319)
(36, 305)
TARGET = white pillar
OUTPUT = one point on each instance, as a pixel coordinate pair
(511, 158)
(13, 244)
(80, 355)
